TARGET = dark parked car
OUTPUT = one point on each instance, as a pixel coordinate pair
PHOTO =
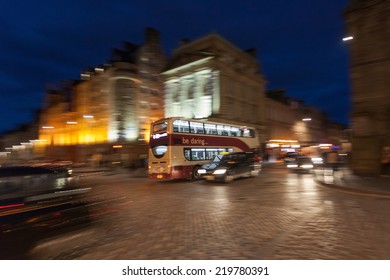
(35, 202)
(227, 167)
(27, 181)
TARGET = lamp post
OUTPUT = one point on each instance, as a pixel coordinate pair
(71, 132)
(49, 128)
(87, 137)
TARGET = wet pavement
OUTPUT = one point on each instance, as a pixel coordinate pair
(278, 215)
(342, 180)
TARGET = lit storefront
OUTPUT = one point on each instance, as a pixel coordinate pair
(275, 149)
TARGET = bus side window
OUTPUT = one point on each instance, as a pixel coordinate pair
(219, 129)
(248, 132)
(180, 126)
(210, 129)
(226, 130)
(235, 131)
(197, 154)
(196, 128)
(187, 154)
(192, 128)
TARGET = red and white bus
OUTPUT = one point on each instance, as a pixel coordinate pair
(179, 146)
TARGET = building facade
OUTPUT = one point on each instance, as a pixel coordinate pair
(368, 22)
(111, 105)
(293, 126)
(211, 78)
(105, 116)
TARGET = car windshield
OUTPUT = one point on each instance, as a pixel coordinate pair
(217, 159)
(304, 160)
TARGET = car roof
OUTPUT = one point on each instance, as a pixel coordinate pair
(7, 171)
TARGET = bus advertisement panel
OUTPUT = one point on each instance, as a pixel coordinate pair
(178, 146)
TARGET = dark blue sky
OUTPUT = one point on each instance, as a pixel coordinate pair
(299, 44)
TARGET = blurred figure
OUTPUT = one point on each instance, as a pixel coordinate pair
(331, 163)
(385, 161)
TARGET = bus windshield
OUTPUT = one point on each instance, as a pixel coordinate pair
(160, 126)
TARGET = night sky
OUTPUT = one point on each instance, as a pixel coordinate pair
(299, 44)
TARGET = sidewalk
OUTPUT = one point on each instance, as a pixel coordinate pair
(345, 180)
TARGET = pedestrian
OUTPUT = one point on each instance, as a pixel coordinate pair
(385, 161)
(332, 162)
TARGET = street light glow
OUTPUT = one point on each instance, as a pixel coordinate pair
(349, 38)
(88, 117)
(306, 119)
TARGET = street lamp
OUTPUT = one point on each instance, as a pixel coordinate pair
(87, 132)
(348, 38)
(50, 128)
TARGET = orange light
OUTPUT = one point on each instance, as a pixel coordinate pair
(117, 146)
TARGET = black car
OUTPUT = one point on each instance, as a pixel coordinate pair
(227, 167)
(291, 157)
(301, 164)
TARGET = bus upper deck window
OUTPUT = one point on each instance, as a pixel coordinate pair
(248, 133)
(161, 126)
(196, 127)
(235, 131)
(180, 126)
(210, 129)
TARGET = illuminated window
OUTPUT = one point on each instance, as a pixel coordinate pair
(180, 126)
(143, 105)
(196, 127)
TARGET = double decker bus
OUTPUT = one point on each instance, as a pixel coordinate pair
(179, 146)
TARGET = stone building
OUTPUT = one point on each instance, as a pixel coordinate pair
(211, 78)
(112, 104)
(105, 116)
(368, 23)
(293, 126)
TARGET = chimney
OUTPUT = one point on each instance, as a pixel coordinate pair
(183, 42)
(152, 35)
(252, 52)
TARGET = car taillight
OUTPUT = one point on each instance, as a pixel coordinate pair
(11, 205)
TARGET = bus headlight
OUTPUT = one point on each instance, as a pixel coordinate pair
(219, 171)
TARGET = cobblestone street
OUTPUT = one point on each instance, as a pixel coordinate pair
(279, 215)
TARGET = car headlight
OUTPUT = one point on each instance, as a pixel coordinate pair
(292, 165)
(219, 171)
(201, 171)
(317, 160)
(307, 166)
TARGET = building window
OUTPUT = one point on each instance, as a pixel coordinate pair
(143, 105)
